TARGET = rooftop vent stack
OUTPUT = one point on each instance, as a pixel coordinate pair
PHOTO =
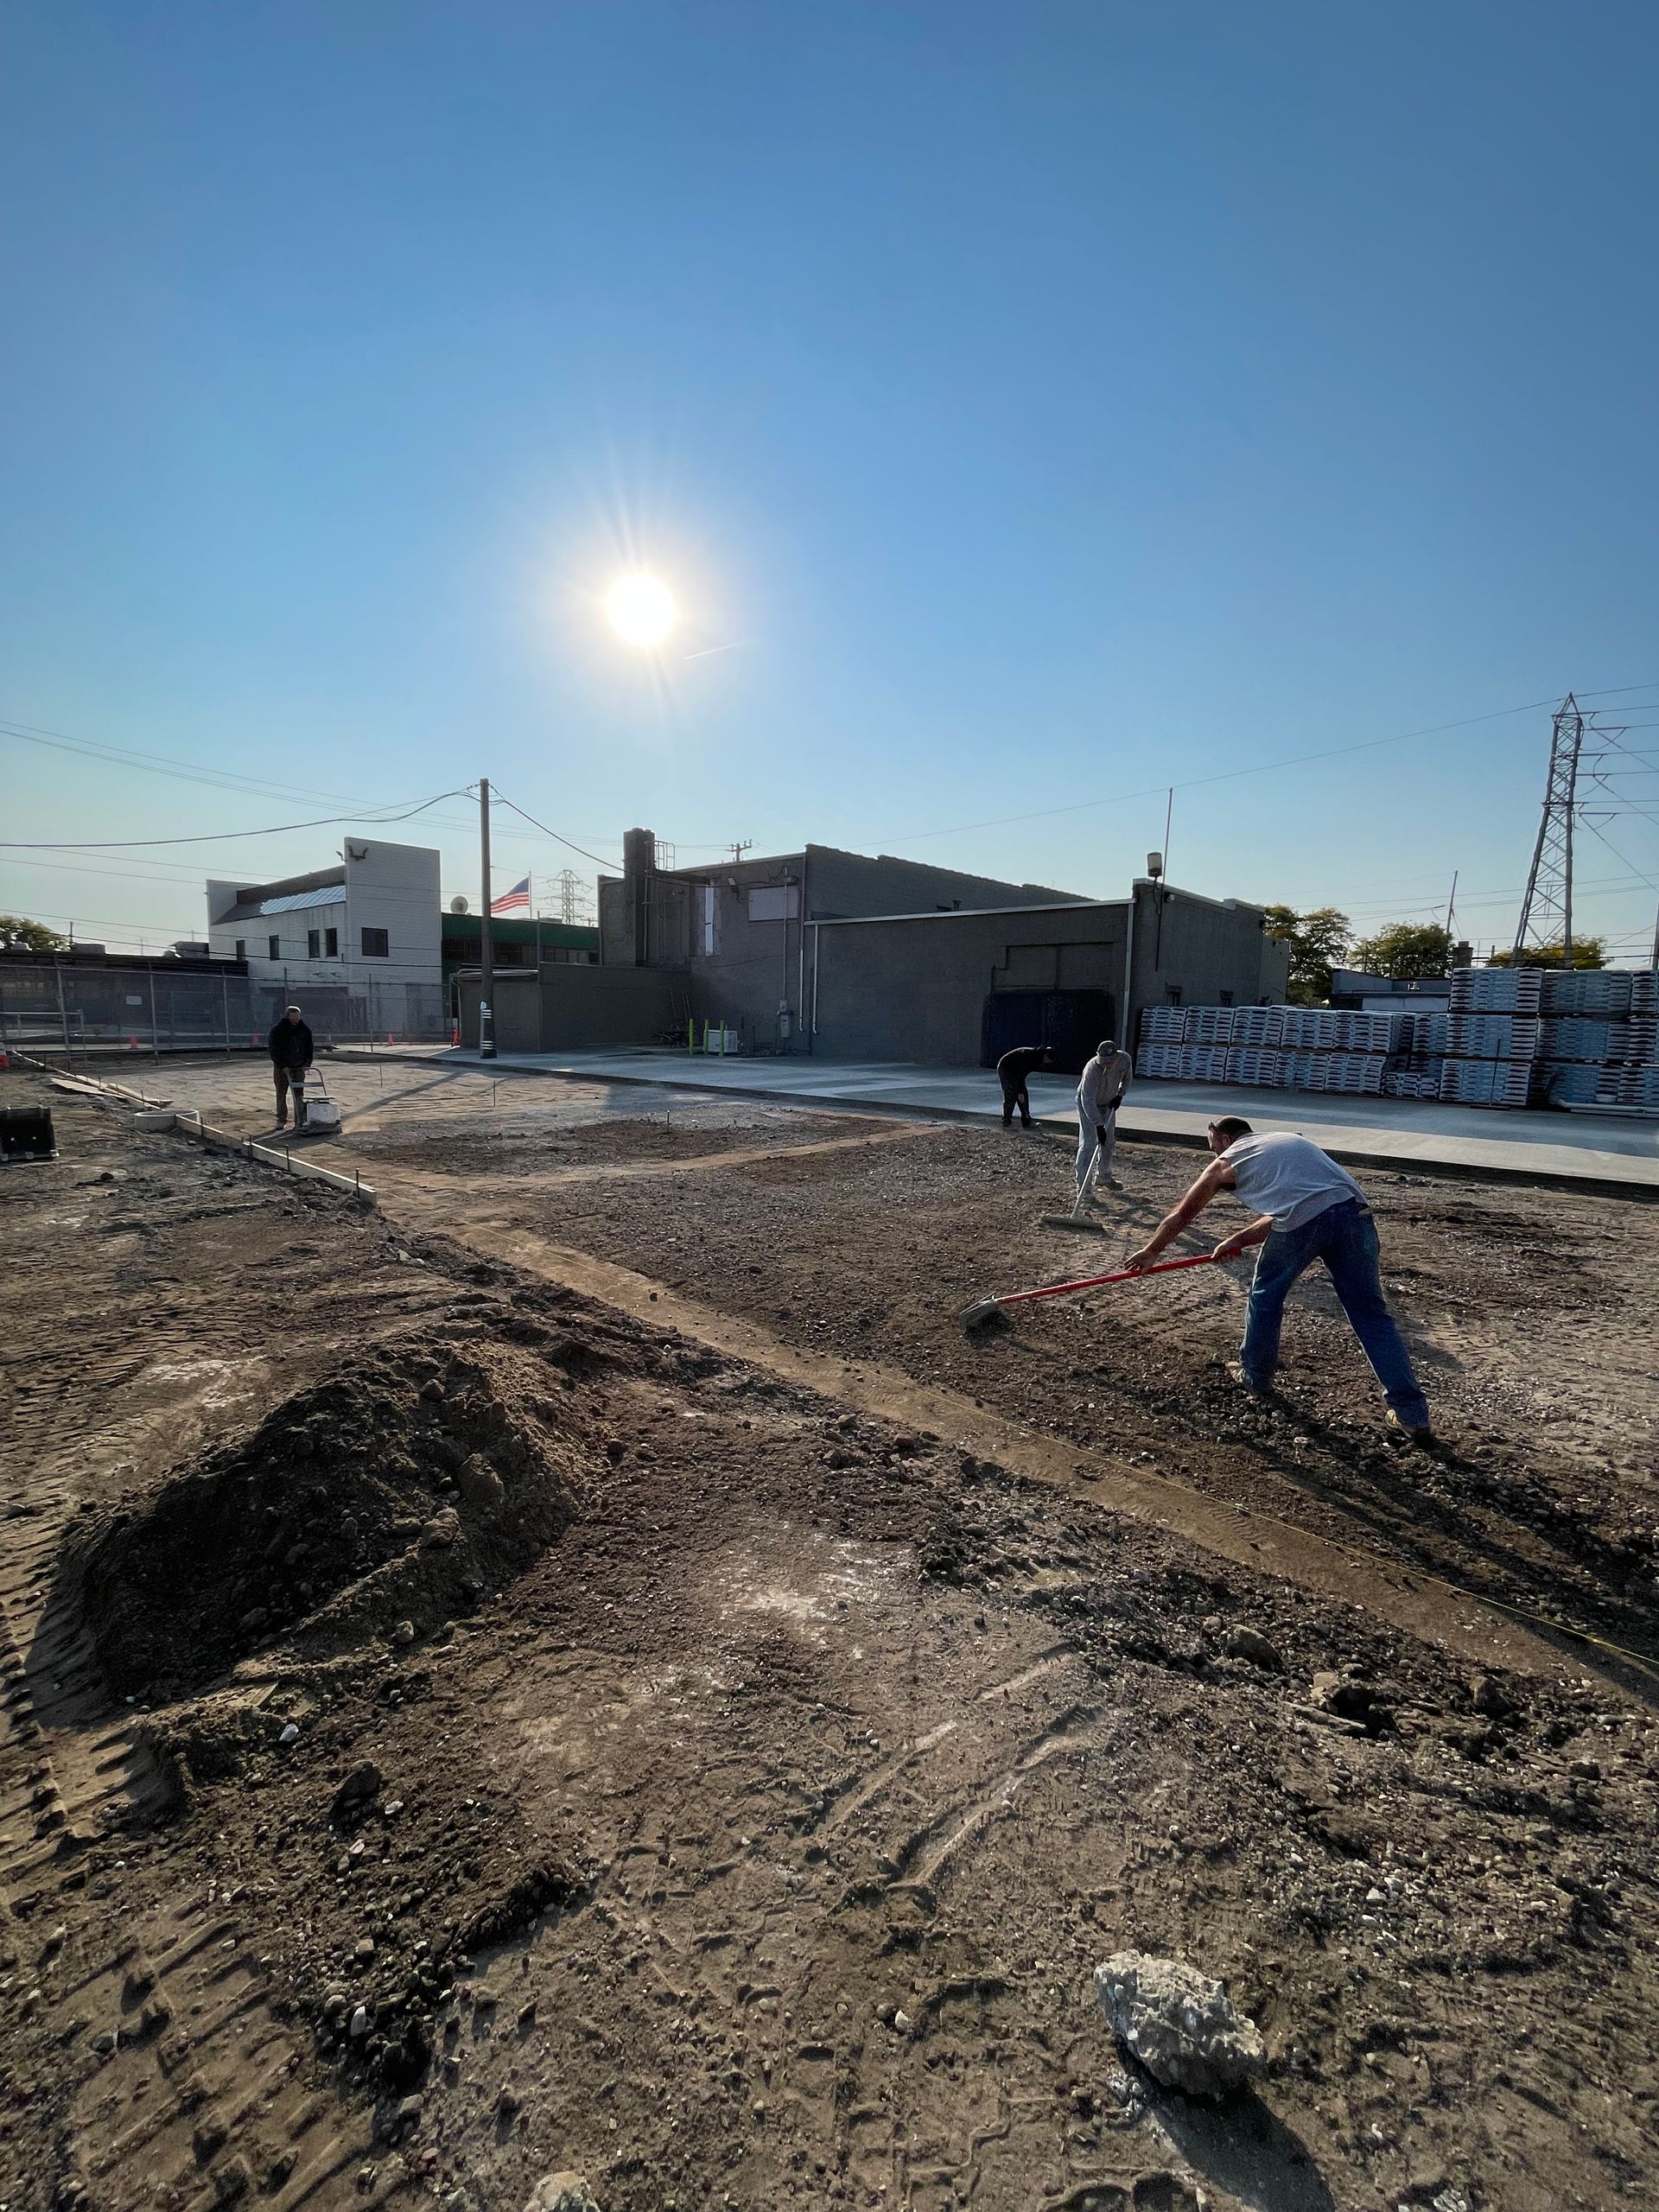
(639, 853)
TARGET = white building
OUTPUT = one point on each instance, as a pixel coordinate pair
(360, 943)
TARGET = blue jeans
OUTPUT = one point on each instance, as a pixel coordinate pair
(1344, 1237)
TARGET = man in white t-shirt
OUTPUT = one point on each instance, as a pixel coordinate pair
(1307, 1208)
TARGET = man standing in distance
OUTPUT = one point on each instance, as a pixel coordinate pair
(1013, 1072)
(291, 1055)
(1306, 1209)
(1105, 1079)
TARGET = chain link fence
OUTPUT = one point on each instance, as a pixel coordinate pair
(74, 1010)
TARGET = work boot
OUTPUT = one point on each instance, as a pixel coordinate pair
(1424, 1434)
(1241, 1380)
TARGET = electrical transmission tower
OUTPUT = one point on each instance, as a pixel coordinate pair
(569, 883)
(1547, 909)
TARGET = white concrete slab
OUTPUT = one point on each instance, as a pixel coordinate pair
(1399, 1132)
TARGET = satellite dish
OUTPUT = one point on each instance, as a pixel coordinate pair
(457, 905)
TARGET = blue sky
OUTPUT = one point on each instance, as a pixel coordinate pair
(1041, 404)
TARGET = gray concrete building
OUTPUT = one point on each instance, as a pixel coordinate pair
(741, 934)
(857, 957)
(959, 989)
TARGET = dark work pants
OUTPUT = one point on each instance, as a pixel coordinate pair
(284, 1077)
(1344, 1237)
(1014, 1094)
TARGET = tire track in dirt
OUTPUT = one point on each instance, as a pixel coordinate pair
(635, 1171)
(177, 2084)
(192, 2092)
(1421, 1607)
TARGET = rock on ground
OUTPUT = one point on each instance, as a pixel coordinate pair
(565, 2192)
(1180, 2025)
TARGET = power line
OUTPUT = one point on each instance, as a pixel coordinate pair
(158, 764)
(162, 764)
(546, 832)
(1617, 855)
(226, 836)
(178, 881)
(1225, 775)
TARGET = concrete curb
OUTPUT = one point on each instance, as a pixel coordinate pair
(187, 1123)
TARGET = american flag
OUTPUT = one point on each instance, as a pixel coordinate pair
(514, 901)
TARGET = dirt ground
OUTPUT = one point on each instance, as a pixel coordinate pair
(594, 1627)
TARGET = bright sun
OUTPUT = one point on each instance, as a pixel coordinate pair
(641, 610)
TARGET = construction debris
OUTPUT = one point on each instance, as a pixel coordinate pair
(1181, 2025)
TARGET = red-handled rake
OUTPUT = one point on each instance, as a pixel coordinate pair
(982, 1308)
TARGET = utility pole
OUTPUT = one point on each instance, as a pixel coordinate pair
(1450, 909)
(1548, 904)
(485, 949)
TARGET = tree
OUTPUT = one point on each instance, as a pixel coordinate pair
(1408, 950)
(1317, 941)
(19, 935)
(1587, 952)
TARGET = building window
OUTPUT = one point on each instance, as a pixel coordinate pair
(275, 948)
(314, 944)
(708, 908)
(779, 903)
(241, 948)
(376, 945)
(331, 944)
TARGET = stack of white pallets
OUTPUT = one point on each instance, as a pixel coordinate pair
(1487, 1083)
(1496, 990)
(1255, 1066)
(1587, 1038)
(1163, 1024)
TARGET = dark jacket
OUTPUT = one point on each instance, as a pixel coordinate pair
(290, 1044)
(1013, 1067)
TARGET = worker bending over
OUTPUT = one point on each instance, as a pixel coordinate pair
(1105, 1079)
(1013, 1072)
(1306, 1209)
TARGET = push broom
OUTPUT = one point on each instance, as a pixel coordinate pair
(982, 1308)
(1078, 1217)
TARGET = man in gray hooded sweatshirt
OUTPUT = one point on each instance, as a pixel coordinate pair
(1105, 1079)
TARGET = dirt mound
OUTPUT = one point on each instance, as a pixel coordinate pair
(381, 1499)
